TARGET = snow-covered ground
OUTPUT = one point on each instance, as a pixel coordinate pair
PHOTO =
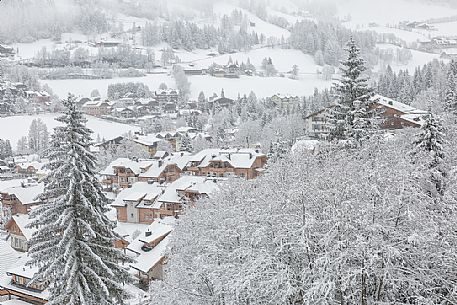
(15, 127)
(445, 29)
(391, 11)
(262, 86)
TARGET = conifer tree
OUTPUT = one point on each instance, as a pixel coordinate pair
(428, 154)
(351, 116)
(451, 96)
(73, 247)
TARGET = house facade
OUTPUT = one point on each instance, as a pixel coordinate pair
(123, 172)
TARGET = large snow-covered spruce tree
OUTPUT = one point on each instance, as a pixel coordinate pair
(73, 246)
(351, 114)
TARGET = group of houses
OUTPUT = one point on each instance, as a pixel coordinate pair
(174, 140)
(164, 102)
(168, 167)
(16, 98)
(131, 106)
(23, 167)
(391, 114)
(145, 198)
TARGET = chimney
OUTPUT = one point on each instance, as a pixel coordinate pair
(147, 233)
(160, 163)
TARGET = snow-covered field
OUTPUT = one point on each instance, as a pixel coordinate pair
(391, 11)
(15, 127)
(262, 86)
(283, 59)
(445, 29)
(83, 87)
(407, 36)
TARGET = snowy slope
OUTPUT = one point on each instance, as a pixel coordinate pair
(261, 27)
(419, 58)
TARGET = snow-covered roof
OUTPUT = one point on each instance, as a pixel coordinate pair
(144, 189)
(35, 164)
(145, 261)
(388, 102)
(240, 158)
(24, 271)
(126, 230)
(21, 268)
(14, 302)
(148, 260)
(305, 145)
(135, 166)
(160, 154)
(159, 228)
(26, 195)
(185, 129)
(196, 184)
(22, 221)
(149, 140)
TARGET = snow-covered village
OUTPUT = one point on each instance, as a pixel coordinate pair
(228, 152)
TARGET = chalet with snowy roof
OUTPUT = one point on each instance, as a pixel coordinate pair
(220, 102)
(184, 191)
(20, 199)
(167, 169)
(145, 201)
(6, 51)
(284, 100)
(397, 115)
(97, 107)
(136, 204)
(20, 233)
(148, 250)
(232, 71)
(123, 172)
(392, 115)
(171, 137)
(167, 96)
(193, 69)
(148, 142)
(17, 285)
(30, 168)
(245, 163)
(39, 97)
